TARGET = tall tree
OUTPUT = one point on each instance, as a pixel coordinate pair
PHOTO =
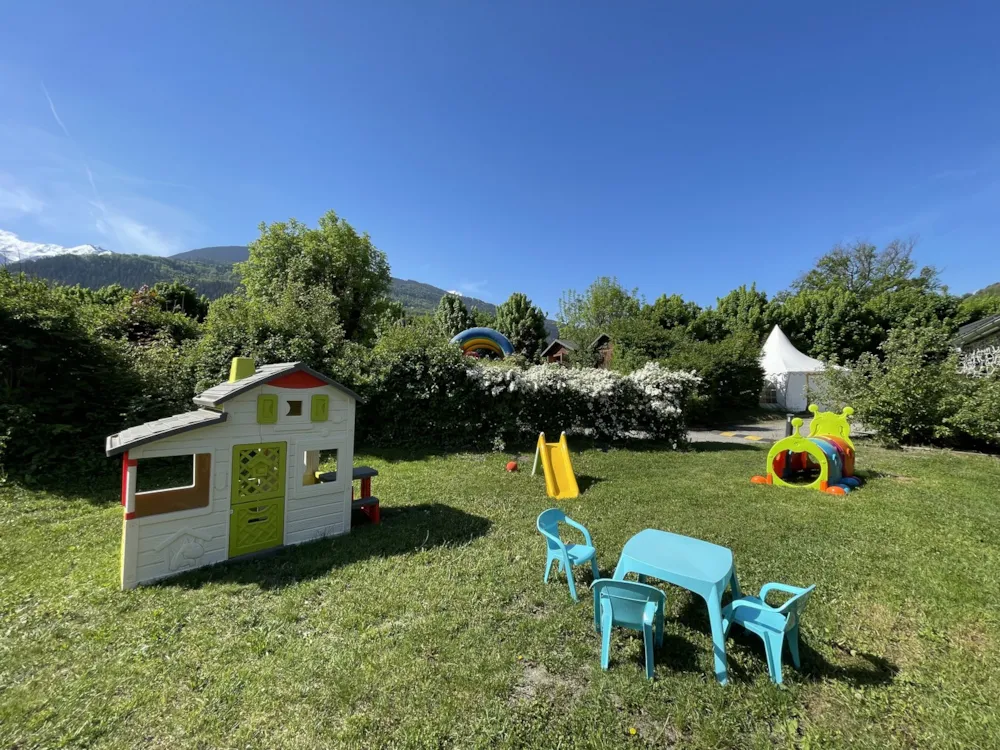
(452, 316)
(333, 257)
(523, 323)
(604, 303)
(671, 312)
(864, 270)
(743, 311)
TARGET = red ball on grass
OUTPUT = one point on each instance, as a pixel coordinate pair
(512, 466)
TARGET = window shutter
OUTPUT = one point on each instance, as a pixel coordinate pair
(267, 409)
(320, 409)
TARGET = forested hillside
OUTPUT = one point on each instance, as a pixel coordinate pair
(208, 270)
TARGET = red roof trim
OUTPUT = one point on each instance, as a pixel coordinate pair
(297, 379)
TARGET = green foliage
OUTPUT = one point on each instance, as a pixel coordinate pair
(62, 390)
(176, 297)
(911, 393)
(524, 324)
(451, 316)
(333, 257)
(864, 270)
(744, 311)
(483, 318)
(827, 323)
(977, 414)
(730, 372)
(300, 324)
(141, 318)
(978, 306)
(131, 271)
(583, 317)
(671, 312)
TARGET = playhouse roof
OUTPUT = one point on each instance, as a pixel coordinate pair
(556, 344)
(161, 428)
(222, 392)
(779, 355)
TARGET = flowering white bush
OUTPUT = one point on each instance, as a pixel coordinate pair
(594, 402)
(420, 392)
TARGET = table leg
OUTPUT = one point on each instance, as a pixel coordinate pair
(714, 602)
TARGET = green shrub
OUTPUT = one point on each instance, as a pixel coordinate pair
(915, 394)
(62, 389)
(730, 372)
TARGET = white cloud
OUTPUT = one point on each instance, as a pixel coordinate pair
(135, 237)
(472, 287)
(17, 201)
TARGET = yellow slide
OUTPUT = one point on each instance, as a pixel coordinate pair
(560, 481)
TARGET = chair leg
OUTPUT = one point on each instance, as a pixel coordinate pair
(593, 567)
(605, 635)
(548, 567)
(772, 647)
(792, 638)
(647, 639)
(659, 629)
(572, 585)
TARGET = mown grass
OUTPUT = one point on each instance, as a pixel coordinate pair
(435, 629)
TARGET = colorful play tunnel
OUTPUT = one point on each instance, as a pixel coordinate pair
(824, 460)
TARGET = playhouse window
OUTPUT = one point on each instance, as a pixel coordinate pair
(318, 462)
(294, 409)
(171, 483)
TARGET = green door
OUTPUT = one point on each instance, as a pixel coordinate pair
(257, 520)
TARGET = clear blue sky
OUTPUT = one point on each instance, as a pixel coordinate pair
(532, 146)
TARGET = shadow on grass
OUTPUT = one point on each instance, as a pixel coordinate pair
(403, 530)
(866, 671)
(585, 482)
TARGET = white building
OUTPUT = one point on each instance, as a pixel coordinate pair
(255, 448)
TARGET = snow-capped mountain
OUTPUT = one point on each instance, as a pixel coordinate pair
(14, 249)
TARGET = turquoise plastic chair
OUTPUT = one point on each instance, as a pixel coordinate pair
(567, 555)
(775, 625)
(638, 606)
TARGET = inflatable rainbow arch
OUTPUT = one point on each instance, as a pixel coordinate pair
(824, 460)
(476, 339)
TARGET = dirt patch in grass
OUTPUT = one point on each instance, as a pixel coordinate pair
(656, 732)
(538, 682)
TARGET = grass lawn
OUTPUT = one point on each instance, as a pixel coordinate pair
(435, 629)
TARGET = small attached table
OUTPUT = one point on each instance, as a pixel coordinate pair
(366, 503)
(701, 567)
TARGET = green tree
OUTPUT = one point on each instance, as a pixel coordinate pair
(978, 306)
(301, 324)
(744, 310)
(828, 323)
(177, 297)
(524, 324)
(671, 312)
(582, 317)
(864, 270)
(451, 315)
(333, 257)
(483, 318)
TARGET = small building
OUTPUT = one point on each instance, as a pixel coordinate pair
(979, 346)
(604, 349)
(255, 444)
(558, 351)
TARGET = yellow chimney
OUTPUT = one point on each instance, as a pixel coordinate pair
(242, 367)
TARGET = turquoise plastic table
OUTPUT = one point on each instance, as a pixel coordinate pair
(701, 567)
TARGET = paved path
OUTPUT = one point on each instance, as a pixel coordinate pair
(763, 433)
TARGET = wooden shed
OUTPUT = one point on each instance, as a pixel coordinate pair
(255, 445)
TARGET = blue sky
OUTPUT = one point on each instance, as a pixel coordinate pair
(531, 146)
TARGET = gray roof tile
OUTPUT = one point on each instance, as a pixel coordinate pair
(161, 428)
(222, 392)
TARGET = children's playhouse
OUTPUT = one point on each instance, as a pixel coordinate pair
(255, 445)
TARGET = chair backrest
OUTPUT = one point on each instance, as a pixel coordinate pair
(795, 606)
(548, 524)
(628, 600)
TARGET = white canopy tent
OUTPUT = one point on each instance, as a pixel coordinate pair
(790, 377)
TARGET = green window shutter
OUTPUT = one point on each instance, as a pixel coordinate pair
(267, 409)
(320, 408)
